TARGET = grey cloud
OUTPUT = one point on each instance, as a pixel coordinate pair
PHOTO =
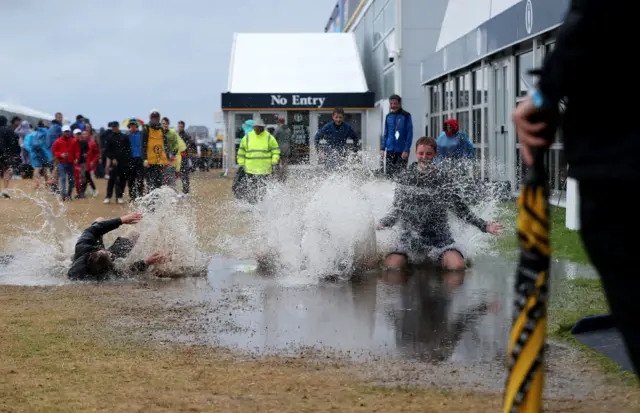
(111, 60)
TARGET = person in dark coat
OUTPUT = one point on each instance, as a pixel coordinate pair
(9, 154)
(602, 156)
(118, 152)
(92, 261)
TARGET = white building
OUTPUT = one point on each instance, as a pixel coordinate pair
(470, 58)
(318, 73)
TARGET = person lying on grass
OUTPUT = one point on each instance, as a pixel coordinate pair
(92, 261)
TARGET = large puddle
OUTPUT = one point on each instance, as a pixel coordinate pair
(428, 315)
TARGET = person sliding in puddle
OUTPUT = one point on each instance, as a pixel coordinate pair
(92, 261)
(422, 199)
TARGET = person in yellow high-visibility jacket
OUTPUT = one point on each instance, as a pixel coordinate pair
(258, 154)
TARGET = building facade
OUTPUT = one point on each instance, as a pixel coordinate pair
(471, 58)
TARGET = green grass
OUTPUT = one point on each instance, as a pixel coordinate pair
(571, 300)
(566, 244)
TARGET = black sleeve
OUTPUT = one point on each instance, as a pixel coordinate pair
(90, 237)
(564, 69)
(144, 139)
(461, 209)
(100, 228)
(399, 202)
(108, 147)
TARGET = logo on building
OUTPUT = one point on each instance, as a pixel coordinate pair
(298, 117)
(528, 17)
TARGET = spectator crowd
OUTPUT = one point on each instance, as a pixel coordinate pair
(65, 160)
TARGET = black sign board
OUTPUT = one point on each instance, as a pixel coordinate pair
(296, 101)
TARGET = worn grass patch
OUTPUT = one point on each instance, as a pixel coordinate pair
(60, 352)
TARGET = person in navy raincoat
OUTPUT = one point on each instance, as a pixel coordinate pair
(336, 133)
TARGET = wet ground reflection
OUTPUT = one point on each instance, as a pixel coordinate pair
(427, 315)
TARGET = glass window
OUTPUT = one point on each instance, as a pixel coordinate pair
(464, 90)
(240, 119)
(389, 16)
(449, 96)
(388, 83)
(355, 120)
(435, 98)
(270, 119)
(477, 87)
(378, 29)
(378, 6)
(525, 80)
(463, 121)
(486, 84)
(486, 124)
(434, 126)
(476, 133)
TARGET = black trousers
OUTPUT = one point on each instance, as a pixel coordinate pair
(395, 164)
(155, 177)
(609, 229)
(184, 176)
(117, 179)
(88, 180)
(135, 178)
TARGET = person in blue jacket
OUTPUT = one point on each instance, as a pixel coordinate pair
(454, 144)
(397, 137)
(40, 155)
(335, 133)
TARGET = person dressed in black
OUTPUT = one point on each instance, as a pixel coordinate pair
(185, 165)
(602, 156)
(422, 200)
(92, 261)
(118, 152)
(9, 154)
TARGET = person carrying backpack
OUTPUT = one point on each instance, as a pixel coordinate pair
(37, 145)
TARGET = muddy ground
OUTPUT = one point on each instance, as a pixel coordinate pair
(109, 348)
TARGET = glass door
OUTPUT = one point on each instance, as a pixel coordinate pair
(300, 134)
(501, 166)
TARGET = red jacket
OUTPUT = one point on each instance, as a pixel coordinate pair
(66, 145)
(93, 155)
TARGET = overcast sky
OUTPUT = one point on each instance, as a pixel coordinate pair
(110, 60)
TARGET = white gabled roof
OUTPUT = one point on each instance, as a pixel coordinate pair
(25, 111)
(296, 63)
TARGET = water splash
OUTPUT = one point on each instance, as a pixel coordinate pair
(41, 256)
(169, 226)
(316, 225)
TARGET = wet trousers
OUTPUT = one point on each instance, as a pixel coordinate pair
(184, 176)
(88, 180)
(79, 174)
(67, 178)
(135, 176)
(155, 177)
(395, 164)
(609, 229)
(117, 179)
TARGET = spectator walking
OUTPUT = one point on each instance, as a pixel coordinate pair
(118, 155)
(187, 162)
(156, 154)
(136, 168)
(9, 154)
(67, 152)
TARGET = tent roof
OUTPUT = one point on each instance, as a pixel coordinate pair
(295, 63)
(24, 111)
